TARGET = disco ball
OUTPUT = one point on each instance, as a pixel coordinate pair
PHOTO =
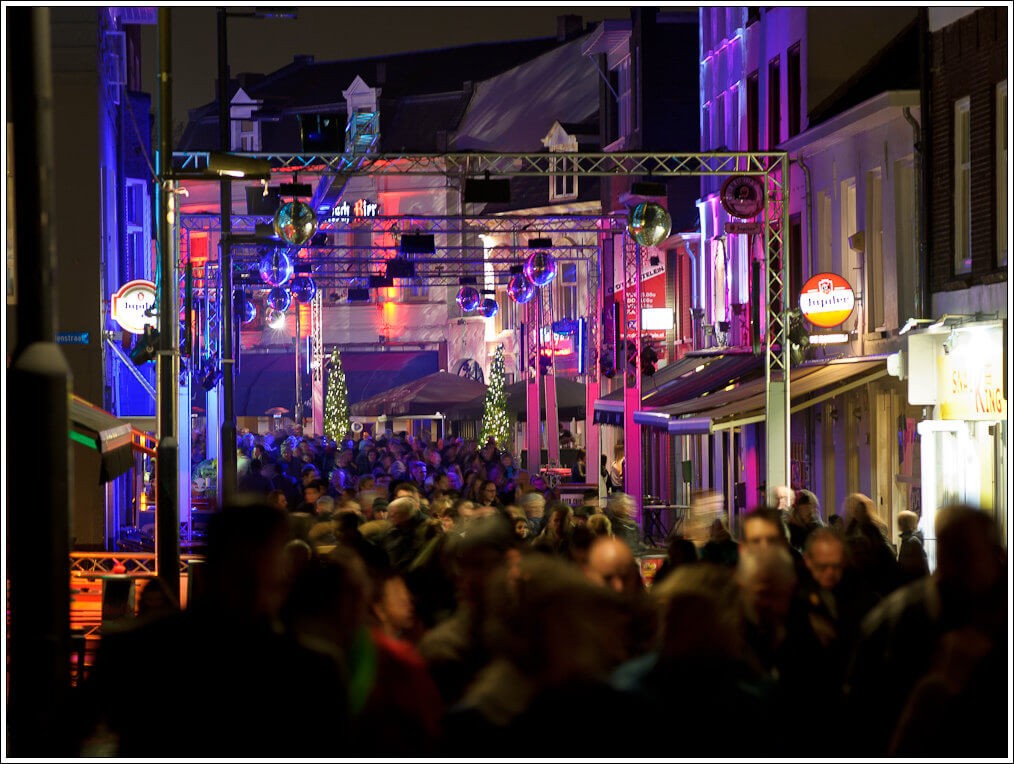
(303, 288)
(520, 289)
(540, 268)
(275, 319)
(247, 311)
(468, 298)
(295, 222)
(489, 308)
(275, 269)
(648, 224)
(279, 299)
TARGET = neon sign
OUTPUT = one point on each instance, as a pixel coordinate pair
(827, 300)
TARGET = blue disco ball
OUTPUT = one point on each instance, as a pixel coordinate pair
(295, 222)
(304, 289)
(468, 298)
(489, 308)
(520, 289)
(279, 298)
(648, 224)
(275, 268)
(540, 268)
(247, 311)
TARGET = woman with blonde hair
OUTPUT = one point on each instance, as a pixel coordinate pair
(871, 559)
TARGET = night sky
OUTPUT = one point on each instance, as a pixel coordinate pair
(333, 32)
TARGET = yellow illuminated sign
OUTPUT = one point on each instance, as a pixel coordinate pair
(970, 375)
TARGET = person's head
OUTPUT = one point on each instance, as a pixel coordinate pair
(402, 511)
(908, 521)
(580, 515)
(767, 579)
(970, 556)
(784, 497)
(559, 521)
(859, 509)
(309, 473)
(600, 525)
(534, 504)
(521, 528)
(763, 528)
(392, 606)
(448, 516)
(620, 505)
(824, 556)
(378, 510)
(246, 567)
(487, 493)
(806, 510)
(312, 491)
(325, 505)
(611, 563)
(590, 498)
(278, 499)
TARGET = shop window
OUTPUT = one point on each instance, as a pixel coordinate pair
(962, 187)
(1002, 234)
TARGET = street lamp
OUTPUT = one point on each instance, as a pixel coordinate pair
(227, 463)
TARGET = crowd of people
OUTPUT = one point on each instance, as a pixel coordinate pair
(402, 598)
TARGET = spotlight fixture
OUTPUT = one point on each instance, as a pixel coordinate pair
(146, 348)
(417, 244)
(211, 377)
(484, 190)
(275, 319)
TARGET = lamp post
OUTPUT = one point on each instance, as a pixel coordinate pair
(227, 462)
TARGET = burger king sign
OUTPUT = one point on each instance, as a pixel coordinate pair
(827, 300)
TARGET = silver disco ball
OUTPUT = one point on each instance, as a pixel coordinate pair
(275, 268)
(248, 311)
(648, 224)
(295, 222)
(520, 289)
(468, 298)
(279, 299)
(540, 268)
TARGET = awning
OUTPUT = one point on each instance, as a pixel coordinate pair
(607, 411)
(693, 375)
(101, 431)
(744, 403)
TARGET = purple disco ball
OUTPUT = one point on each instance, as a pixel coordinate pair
(489, 308)
(648, 224)
(279, 299)
(468, 298)
(295, 222)
(520, 289)
(303, 289)
(275, 268)
(540, 268)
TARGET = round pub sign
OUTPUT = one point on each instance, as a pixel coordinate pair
(827, 300)
(132, 305)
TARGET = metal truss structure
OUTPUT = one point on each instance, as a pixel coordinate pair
(346, 262)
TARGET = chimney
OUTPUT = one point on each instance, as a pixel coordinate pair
(568, 27)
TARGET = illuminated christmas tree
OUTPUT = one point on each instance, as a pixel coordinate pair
(336, 404)
(496, 422)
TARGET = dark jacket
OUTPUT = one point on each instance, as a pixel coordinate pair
(912, 556)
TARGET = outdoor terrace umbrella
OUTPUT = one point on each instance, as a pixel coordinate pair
(423, 396)
(570, 402)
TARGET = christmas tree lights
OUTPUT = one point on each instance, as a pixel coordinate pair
(496, 422)
(336, 403)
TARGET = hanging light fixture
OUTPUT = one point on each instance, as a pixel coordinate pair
(304, 289)
(279, 299)
(275, 268)
(295, 222)
(540, 267)
(520, 289)
(648, 223)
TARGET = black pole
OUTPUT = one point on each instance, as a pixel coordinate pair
(227, 463)
(167, 514)
(39, 385)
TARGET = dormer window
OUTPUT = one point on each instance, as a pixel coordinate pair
(246, 132)
(563, 177)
